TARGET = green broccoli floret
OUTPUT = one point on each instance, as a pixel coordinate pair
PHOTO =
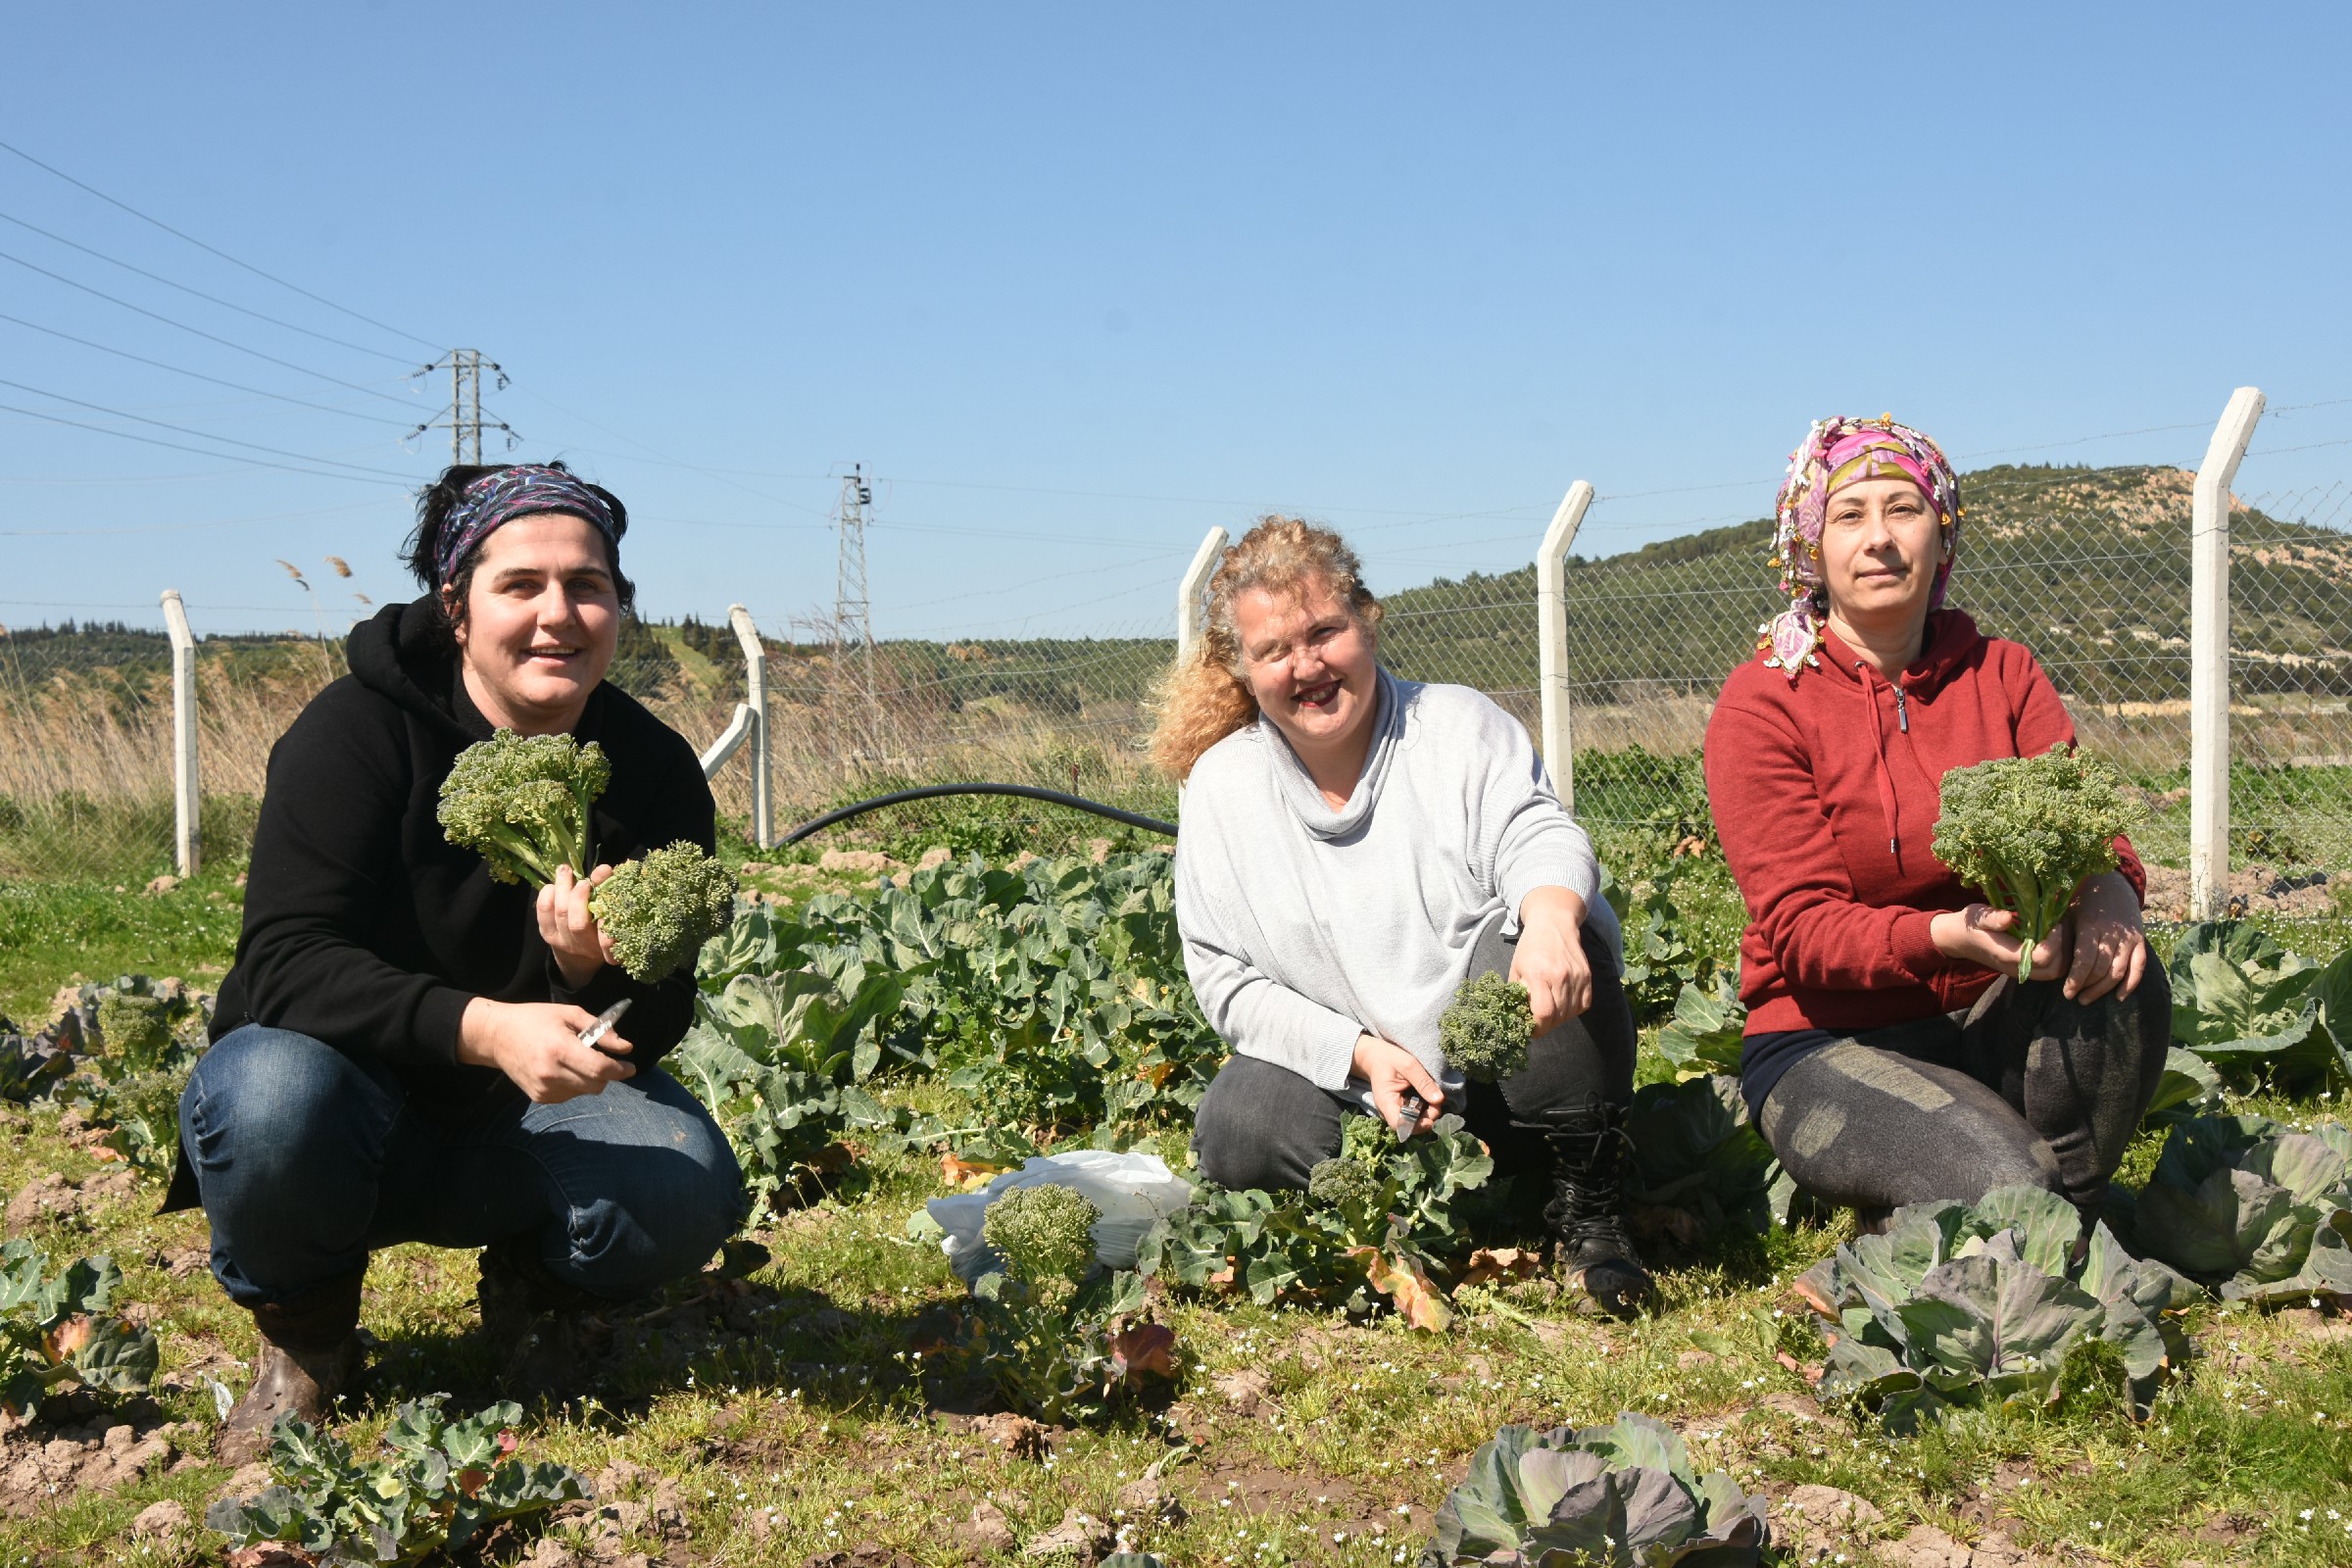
(2027, 831)
(1338, 1182)
(1046, 1233)
(1485, 1033)
(522, 804)
(134, 1029)
(659, 910)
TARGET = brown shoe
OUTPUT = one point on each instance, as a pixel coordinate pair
(311, 1353)
(532, 1321)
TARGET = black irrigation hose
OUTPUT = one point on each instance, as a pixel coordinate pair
(1027, 792)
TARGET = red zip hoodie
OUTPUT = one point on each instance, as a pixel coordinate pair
(1826, 794)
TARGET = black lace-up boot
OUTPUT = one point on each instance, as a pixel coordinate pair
(1586, 1211)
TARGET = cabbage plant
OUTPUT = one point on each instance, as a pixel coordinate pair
(1960, 1304)
(1622, 1496)
(2259, 1211)
(2254, 1010)
(1694, 1151)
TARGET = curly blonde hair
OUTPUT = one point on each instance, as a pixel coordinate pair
(1206, 696)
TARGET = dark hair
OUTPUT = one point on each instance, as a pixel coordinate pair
(439, 499)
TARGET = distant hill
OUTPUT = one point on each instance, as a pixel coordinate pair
(2088, 567)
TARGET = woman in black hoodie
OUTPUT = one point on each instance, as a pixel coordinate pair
(398, 1052)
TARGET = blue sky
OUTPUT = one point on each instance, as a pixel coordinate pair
(1077, 282)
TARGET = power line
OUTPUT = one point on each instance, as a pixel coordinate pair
(176, 446)
(213, 299)
(182, 527)
(179, 369)
(213, 250)
(213, 337)
(201, 435)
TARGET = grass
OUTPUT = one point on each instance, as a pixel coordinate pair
(791, 1425)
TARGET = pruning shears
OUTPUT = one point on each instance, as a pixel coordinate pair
(593, 1036)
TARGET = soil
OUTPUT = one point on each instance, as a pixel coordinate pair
(45, 1462)
(2253, 890)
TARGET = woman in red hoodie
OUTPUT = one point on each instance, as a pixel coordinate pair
(1891, 1055)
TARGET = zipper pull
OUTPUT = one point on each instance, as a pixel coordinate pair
(1902, 715)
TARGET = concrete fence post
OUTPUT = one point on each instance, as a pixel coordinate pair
(1551, 638)
(755, 681)
(2209, 657)
(1188, 608)
(187, 797)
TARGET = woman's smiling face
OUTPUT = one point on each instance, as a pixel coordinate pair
(542, 620)
(1308, 663)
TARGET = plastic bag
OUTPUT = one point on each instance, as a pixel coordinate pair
(1131, 1190)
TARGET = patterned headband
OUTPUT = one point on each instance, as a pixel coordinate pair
(1835, 453)
(497, 499)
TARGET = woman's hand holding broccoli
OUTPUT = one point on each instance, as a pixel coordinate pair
(568, 927)
(537, 1046)
(1549, 959)
(1982, 934)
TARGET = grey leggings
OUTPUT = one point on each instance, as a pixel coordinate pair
(2025, 1087)
(1265, 1126)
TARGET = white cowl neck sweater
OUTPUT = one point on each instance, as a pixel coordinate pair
(1304, 926)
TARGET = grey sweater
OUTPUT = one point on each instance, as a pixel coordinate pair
(1304, 927)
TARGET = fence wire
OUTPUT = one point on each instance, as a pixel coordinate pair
(2290, 703)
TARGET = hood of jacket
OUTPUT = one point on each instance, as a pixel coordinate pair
(403, 653)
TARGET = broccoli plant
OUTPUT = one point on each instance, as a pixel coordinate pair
(1058, 1335)
(1622, 1496)
(2028, 831)
(661, 909)
(57, 1330)
(1708, 1026)
(135, 1028)
(443, 1483)
(2261, 1212)
(522, 804)
(777, 1058)
(1485, 1030)
(1378, 1221)
(146, 1036)
(1994, 1304)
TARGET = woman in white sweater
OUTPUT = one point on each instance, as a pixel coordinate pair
(1355, 846)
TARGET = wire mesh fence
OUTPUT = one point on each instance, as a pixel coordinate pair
(2088, 567)
(2290, 684)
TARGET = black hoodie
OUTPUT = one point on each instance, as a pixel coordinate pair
(368, 930)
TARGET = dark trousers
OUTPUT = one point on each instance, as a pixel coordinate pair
(309, 1160)
(2025, 1087)
(1265, 1126)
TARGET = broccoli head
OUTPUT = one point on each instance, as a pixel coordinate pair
(522, 803)
(1046, 1233)
(134, 1029)
(1339, 1181)
(2028, 831)
(1485, 1030)
(659, 910)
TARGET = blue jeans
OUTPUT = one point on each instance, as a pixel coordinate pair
(308, 1159)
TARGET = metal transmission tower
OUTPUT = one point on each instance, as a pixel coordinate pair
(464, 417)
(852, 625)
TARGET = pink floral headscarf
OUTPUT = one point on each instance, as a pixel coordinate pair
(1835, 453)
